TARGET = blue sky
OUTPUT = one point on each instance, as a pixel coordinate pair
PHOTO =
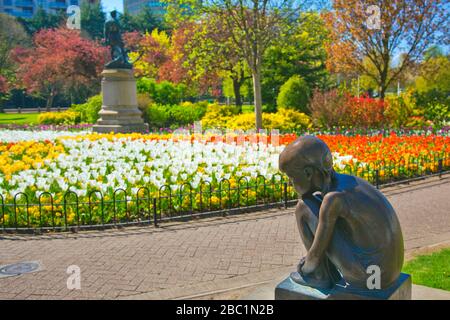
(110, 5)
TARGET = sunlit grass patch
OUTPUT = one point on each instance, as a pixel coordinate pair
(431, 270)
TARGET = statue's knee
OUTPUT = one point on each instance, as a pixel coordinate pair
(306, 218)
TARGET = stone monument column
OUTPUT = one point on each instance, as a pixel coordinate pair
(119, 111)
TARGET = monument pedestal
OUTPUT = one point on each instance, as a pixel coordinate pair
(290, 290)
(119, 111)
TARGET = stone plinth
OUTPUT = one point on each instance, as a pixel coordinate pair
(290, 290)
(119, 111)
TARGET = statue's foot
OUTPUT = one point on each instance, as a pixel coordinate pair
(311, 281)
(118, 64)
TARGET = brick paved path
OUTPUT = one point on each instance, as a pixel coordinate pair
(186, 259)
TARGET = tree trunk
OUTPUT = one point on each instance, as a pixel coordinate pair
(383, 89)
(256, 74)
(237, 93)
(382, 84)
(50, 99)
(385, 71)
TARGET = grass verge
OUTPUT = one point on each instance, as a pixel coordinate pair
(18, 118)
(431, 270)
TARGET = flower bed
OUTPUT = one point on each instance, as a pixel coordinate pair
(46, 127)
(84, 178)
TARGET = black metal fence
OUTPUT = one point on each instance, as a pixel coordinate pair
(34, 110)
(147, 206)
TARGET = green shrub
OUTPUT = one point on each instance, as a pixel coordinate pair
(402, 110)
(286, 120)
(414, 109)
(146, 85)
(174, 116)
(217, 116)
(165, 92)
(157, 116)
(187, 112)
(89, 111)
(435, 105)
(432, 96)
(269, 108)
(294, 94)
(68, 117)
(283, 120)
(169, 93)
(437, 113)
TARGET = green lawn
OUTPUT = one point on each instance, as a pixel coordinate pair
(431, 270)
(18, 118)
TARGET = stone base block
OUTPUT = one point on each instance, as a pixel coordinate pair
(119, 113)
(290, 290)
(141, 128)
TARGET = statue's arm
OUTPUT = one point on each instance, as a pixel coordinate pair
(332, 207)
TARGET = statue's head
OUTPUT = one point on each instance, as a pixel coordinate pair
(113, 14)
(308, 163)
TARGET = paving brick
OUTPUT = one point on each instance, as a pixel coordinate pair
(181, 259)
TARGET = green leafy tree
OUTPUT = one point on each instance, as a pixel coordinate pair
(228, 90)
(210, 50)
(42, 20)
(147, 21)
(254, 25)
(143, 22)
(361, 84)
(12, 34)
(92, 19)
(434, 74)
(127, 21)
(407, 27)
(301, 51)
(433, 86)
(433, 52)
